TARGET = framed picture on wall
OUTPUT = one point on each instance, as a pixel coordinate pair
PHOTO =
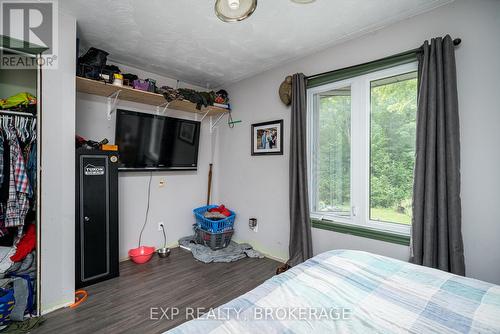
(187, 132)
(267, 138)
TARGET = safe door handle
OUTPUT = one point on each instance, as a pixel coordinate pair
(86, 219)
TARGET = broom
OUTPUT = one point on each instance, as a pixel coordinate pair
(209, 192)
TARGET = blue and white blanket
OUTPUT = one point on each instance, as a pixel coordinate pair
(344, 291)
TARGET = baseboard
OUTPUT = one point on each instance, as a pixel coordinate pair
(275, 258)
(171, 246)
(266, 254)
(55, 308)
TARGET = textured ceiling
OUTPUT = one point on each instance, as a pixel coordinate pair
(183, 39)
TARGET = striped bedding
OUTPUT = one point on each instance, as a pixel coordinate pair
(374, 294)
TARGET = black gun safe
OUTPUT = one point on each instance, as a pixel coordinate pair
(96, 217)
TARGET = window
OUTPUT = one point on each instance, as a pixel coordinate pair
(362, 149)
(334, 152)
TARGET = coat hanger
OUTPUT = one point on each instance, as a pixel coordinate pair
(33, 128)
(5, 126)
(24, 124)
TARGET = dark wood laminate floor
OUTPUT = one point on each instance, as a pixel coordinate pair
(123, 304)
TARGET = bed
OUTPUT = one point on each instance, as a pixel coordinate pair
(348, 291)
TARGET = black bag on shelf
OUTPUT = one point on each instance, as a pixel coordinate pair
(88, 71)
(92, 64)
(94, 57)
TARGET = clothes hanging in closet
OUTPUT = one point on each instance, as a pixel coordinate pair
(18, 168)
(17, 174)
(17, 204)
(31, 167)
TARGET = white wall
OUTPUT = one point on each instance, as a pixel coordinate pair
(258, 186)
(14, 81)
(173, 203)
(57, 247)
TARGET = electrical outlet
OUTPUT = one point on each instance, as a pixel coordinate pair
(160, 224)
(252, 224)
(162, 183)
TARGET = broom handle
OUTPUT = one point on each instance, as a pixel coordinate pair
(209, 183)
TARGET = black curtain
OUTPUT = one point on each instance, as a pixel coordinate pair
(300, 248)
(436, 227)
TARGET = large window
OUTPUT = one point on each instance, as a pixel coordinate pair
(362, 149)
(334, 152)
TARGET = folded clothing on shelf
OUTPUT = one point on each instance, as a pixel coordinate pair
(19, 100)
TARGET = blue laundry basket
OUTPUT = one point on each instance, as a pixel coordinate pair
(214, 226)
(7, 303)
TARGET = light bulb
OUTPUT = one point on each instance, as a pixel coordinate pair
(233, 4)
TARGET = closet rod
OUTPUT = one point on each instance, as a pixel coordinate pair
(16, 113)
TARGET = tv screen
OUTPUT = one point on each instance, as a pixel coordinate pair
(148, 141)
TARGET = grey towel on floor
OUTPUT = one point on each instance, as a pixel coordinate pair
(233, 252)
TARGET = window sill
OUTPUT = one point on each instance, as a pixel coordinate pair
(361, 232)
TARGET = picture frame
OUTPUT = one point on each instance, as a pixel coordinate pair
(186, 132)
(267, 138)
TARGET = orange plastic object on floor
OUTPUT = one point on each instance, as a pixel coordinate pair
(80, 297)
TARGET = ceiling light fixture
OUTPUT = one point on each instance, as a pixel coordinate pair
(233, 4)
(234, 10)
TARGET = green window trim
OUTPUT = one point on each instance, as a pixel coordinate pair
(357, 70)
(361, 232)
(346, 73)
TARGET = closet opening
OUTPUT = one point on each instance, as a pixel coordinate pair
(20, 179)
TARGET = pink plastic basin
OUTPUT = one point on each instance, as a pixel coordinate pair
(142, 254)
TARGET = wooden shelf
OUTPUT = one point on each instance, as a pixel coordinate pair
(100, 88)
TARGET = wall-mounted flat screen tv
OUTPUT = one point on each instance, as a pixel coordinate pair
(149, 142)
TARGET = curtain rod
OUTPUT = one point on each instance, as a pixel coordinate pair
(456, 42)
(15, 113)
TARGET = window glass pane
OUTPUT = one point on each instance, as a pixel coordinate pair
(334, 152)
(392, 147)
